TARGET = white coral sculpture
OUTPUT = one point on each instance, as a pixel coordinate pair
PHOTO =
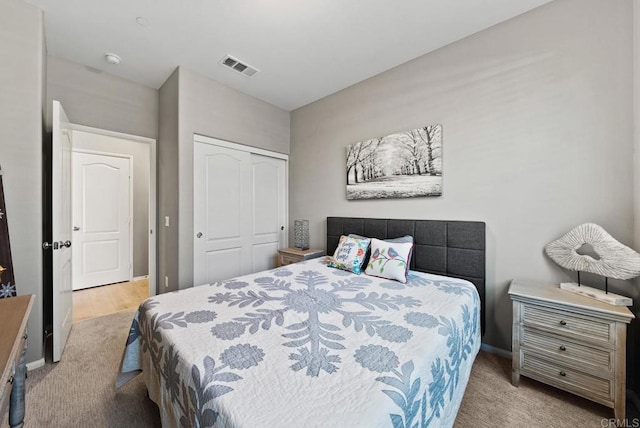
(616, 259)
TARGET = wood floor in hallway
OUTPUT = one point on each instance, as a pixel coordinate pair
(108, 299)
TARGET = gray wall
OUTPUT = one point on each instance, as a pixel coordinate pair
(168, 184)
(141, 154)
(209, 108)
(21, 103)
(101, 100)
(537, 116)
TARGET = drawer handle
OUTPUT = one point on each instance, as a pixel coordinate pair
(562, 348)
(10, 380)
(562, 373)
(563, 322)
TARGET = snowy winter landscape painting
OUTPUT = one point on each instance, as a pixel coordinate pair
(403, 165)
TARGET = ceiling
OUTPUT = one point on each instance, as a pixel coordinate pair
(304, 49)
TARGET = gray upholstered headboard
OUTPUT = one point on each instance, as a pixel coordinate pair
(450, 248)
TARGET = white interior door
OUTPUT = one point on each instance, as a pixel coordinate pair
(101, 219)
(239, 212)
(222, 209)
(268, 210)
(61, 230)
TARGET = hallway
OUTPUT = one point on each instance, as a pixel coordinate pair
(108, 299)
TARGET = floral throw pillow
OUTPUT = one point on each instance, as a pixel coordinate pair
(350, 254)
(389, 259)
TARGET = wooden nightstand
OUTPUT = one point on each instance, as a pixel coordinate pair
(570, 341)
(286, 256)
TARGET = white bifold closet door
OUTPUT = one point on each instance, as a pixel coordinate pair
(239, 212)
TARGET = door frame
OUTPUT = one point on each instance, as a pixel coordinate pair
(153, 192)
(122, 156)
(197, 138)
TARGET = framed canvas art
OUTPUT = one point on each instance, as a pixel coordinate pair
(402, 165)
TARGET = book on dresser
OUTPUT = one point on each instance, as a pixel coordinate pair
(570, 341)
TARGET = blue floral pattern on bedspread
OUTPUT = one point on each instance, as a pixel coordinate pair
(313, 339)
(316, 321)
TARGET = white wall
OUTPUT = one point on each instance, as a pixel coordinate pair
(21, 112)
(537, 116)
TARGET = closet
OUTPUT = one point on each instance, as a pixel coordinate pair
(240, 209)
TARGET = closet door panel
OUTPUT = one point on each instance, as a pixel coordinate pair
(269, 217)
(222, 208)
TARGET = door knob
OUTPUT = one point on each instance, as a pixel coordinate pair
(46, 246)
(64, 244)
(281, 227)
(199, 235)
(76, 228)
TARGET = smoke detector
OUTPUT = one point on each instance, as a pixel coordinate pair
(112, 58)
(236, 65)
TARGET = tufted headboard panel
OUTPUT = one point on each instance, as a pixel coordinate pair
(449, 248)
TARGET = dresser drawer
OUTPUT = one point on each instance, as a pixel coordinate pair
(5, 390)
(592, 330)
(6, 385)
(594, 360)
(573, 380)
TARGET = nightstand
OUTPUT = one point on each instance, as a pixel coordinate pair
(571, 342)
(286, 256)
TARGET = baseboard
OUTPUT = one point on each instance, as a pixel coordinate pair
(35, 364)
(138, 278)
(495, 350)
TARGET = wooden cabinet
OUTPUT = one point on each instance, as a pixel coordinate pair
(14, 313)
(570, 341)
(286, 256)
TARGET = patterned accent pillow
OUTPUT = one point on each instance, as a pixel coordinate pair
(350, 254)
(389, 259)
(405, 238)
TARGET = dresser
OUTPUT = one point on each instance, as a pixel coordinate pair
(569, 341)
(286, 256)
(14, 313)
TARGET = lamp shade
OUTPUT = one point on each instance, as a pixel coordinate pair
(301, 234)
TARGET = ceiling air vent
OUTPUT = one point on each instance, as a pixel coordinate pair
(239, 66)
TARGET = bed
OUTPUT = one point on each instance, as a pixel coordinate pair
(307, 345)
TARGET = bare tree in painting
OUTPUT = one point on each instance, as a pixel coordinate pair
(353, 158)
(413, 145)
(362, 156)
(404, 165)
(428, 137)
(370, 164)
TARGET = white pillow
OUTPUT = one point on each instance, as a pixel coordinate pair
(389, 259)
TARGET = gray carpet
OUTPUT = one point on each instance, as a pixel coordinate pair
(78, 391)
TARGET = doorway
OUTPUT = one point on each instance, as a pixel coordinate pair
(57, 222)
(102, 211)
(113, 222)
